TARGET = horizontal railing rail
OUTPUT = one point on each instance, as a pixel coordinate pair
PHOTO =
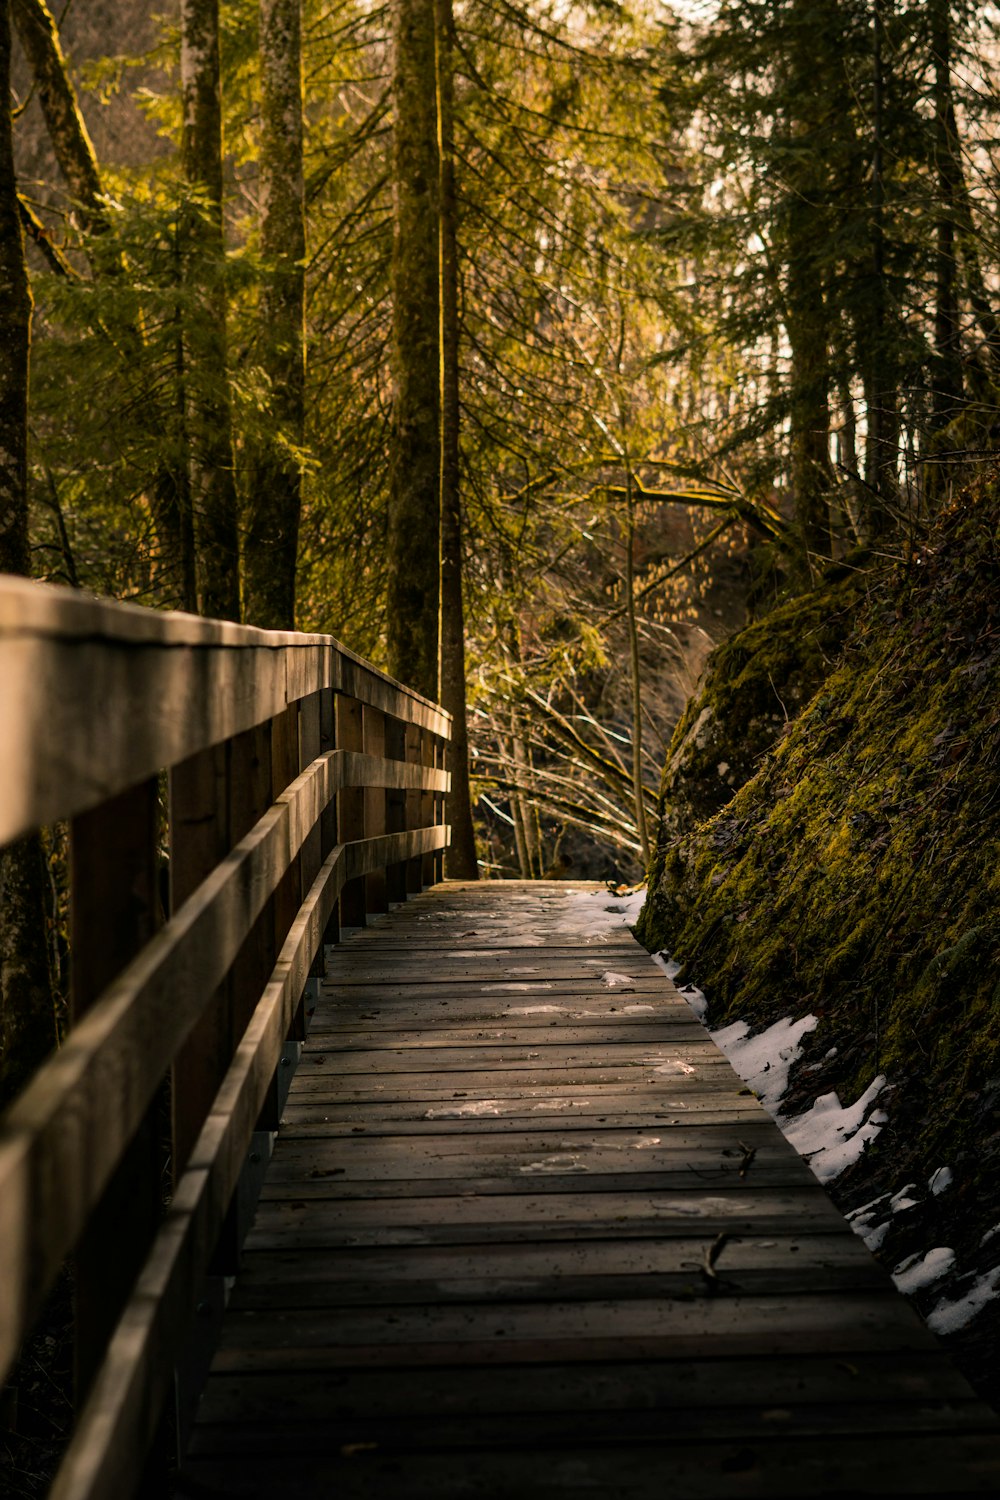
(295, 790)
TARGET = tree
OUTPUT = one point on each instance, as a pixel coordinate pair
(412, 550)
(27, 1029)
(461, 857)
(209, 419)
(274, 488)
(169, 486)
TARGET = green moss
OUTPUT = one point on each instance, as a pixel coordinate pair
(854, 873)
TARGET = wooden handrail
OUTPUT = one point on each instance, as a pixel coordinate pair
(304, 786)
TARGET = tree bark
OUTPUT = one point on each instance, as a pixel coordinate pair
(274, 491)
(882, 450)
(412, 551)
(635, 672)
(27, 1025)
(67, 128)
(460, 860)
(947, 327)
(807, 317)
(209, 421)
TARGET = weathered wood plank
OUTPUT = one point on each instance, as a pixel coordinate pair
(506, 1249)
(900, 1465)
(180, 684)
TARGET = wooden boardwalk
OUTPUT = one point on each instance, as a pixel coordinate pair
(525, 1233)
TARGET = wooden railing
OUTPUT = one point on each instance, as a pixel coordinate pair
(234, 798)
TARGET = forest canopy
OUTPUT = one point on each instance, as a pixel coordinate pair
(528, 348)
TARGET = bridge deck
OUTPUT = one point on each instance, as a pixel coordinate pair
(526, 1233)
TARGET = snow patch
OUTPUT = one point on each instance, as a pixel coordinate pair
(940, 1180)
(535, 985)
(949, 1316)
(764, 1060)
(671, 1065)
(921, 1270)
(617, 981)
(903, 1200)
(475, 1108)
(831, 1136)
(553, 1164)
(694, 997)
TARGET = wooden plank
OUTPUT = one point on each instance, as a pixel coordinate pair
(679, 1386)
(900, 1465)
(75, 669)
(361, 681)
(479, 1333)
(455, 1281)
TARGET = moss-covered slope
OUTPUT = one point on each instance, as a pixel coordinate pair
(857, 876)
(754, 683)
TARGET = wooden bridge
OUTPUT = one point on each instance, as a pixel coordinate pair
(521, 1231)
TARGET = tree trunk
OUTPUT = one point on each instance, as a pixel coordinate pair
(213, 483)
(882, 451)
(807, 328)
(638, 795)
(947, 327)
(412, 550)
(27, 1025)
(274, 492)
(67, 129)
(460, 860)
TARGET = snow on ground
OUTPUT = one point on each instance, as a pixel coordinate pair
(949, 1316)
(764, 1060)
(694, 997)
(921, 1270)
(831, 1136)
(940, 1180)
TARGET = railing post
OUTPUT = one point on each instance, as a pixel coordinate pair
(395, 807)
(440, 815)
(328, 820)
(199, 839)
(284, 769)
(414, 811)
(351, 809)
(115, 908)
(428, 805)
(310, 737)
(373, 725)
